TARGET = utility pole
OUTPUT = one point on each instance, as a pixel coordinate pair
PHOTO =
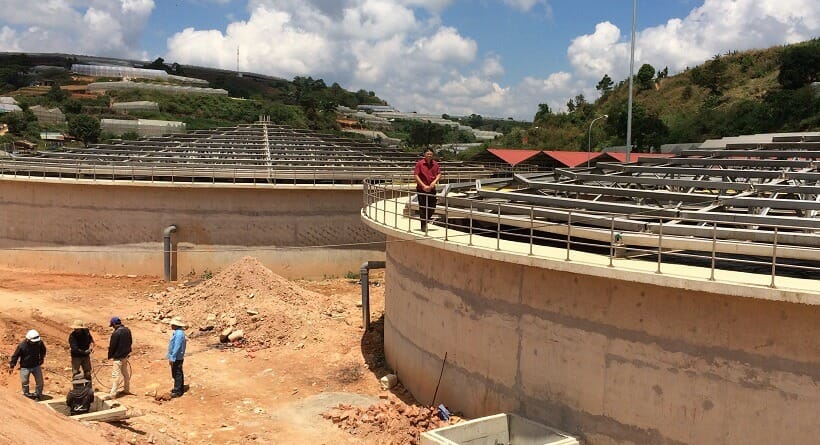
(631, 75)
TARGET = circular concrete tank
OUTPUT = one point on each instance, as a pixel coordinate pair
(611, 354)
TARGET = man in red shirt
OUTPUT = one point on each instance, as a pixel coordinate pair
(427, 173)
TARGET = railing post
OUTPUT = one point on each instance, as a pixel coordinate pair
(409, 211)
(532, 225)
(498, 229)
(611, 241)
(569, 232)
(470, 241)
(774, 257)
(446, 214)
(660, 243)
(395, 207)
(714, 249)
(384, 203)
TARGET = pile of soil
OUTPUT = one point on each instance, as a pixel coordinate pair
(247, 296)
(393, 420)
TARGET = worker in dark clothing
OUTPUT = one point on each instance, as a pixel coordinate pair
(81, 344)
(119, 348)
(81, 396)
(32, 353)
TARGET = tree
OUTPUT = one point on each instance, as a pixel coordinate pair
(475, 120)
(56, 94)
(645, 75)
(72, 106)
(84, 127)
(800, 65)
(570, 106)
(648, 130)
(580, 101)
(542, 113)
(157, 64)
(425, 134)
(605, 85)
(711, 75)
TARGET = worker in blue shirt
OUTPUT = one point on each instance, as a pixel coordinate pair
(176, 355)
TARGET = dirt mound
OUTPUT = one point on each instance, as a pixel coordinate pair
(28, 423)
(394, 421)
(247, 296)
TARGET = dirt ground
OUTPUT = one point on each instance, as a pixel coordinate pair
(303, 354)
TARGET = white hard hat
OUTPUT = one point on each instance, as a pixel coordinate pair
(33, 336)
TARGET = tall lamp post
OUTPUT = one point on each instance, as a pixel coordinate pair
(589, 142)
(631, 75)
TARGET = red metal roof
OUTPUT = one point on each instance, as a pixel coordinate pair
(621, 157)
(512, 156)
(571, 158)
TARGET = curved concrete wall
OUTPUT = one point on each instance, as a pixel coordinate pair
(117, 228)
(613, 361)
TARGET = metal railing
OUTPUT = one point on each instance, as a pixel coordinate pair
(391, 203)
(212, 174)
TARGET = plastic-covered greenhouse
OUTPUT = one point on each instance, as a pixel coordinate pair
(130, 72)
(140, 105)
(142, 127)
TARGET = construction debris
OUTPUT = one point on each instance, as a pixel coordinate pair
(397, 422)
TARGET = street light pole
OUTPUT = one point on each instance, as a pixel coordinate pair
(589, 141)
(631, 75)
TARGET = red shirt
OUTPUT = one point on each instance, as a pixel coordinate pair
(427, 172)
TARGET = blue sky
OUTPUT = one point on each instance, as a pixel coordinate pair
(491, 57)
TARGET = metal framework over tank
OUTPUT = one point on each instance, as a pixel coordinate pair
(756, 206)
(258, 153)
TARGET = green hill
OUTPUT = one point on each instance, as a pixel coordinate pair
(758, 91)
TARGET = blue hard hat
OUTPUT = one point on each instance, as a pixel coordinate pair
(115, 321)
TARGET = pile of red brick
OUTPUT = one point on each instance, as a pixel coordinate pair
(393, 420)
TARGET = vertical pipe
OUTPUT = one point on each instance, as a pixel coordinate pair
(166, 249)
(364, 279)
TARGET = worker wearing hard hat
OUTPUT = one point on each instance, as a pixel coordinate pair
(32, 353)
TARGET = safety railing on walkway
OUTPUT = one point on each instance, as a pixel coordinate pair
(773, 251)
(204, 174)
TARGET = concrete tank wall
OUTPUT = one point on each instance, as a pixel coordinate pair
(117, 228)
(614, 361)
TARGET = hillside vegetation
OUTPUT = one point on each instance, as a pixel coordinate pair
(749, 92)
(303, 102)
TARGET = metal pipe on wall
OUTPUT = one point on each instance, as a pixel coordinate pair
(166, 249)
(364, 278)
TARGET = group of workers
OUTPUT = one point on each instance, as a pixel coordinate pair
(31, 354)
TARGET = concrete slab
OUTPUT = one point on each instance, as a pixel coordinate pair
(508, 429)
(101, 410)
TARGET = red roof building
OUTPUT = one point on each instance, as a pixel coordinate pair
(513, 156)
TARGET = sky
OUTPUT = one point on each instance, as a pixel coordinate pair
(497, 58)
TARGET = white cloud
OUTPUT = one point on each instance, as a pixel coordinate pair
(492, 66)
(528, 5)
(716, 27)
(98, 27)
(401, 49)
